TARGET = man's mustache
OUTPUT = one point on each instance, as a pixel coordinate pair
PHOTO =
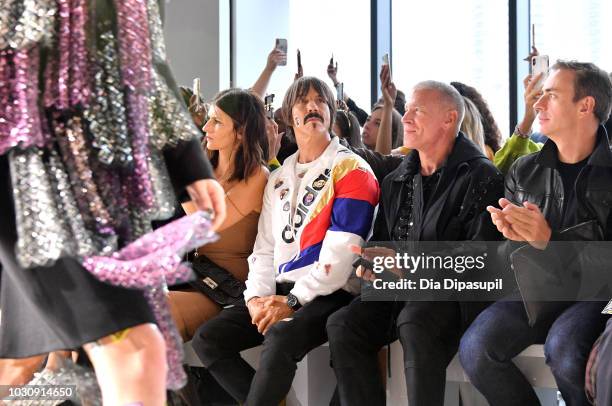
(312, 115)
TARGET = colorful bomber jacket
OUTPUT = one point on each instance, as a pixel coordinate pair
(308, 244)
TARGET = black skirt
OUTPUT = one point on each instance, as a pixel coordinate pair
(59, 307)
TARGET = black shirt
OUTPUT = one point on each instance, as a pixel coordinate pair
(405, 219)
(569, 173)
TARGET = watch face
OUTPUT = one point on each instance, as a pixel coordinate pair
(291, 300)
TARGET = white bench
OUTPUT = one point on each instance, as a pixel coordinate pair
(314, 381)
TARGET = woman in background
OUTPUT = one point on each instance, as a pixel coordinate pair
(369, 134)
(492, 135)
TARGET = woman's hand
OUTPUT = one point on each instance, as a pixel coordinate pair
(208, 195)
(276, 57)
(332, 72)
(531, 96)
(389, 91)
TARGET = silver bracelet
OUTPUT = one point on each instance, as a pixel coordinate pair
(518, 132)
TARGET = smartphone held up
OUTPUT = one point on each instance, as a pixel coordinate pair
(539, 64)
(281, 45)
(385, 61)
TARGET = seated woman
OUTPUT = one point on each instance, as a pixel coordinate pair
(237, 147)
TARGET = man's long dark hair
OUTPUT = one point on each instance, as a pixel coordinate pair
(299, 89)
(248, 116)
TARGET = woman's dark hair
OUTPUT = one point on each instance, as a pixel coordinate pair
(492, 134)
(399, 104)
(397, 128)
(349, 128)
(248, 116)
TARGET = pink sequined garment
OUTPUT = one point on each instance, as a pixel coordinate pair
(85, 155)
(152, 262)
(20, 124)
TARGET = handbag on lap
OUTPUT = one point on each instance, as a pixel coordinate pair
(216, 282)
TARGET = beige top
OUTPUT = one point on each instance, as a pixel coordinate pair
(238, 231)
(235, 244)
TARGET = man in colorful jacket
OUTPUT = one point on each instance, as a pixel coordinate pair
(320, 201)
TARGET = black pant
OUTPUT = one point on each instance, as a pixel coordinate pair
(219, 341)
(429, 333)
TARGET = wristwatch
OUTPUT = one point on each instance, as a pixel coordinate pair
(293, 302)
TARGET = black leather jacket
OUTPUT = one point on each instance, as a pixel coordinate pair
(534, 178)
(455, 211)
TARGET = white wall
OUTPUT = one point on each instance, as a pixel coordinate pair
(192, 40)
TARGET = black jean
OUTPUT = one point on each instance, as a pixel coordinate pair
(428, 331)
(219, 341)
(501, 332)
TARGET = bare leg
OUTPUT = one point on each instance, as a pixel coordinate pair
(131, 366)
(18, 371)
(190, 310)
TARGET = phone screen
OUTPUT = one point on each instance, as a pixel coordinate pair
(268, 100)
(385, 59)
(196, 91)
(281, 45)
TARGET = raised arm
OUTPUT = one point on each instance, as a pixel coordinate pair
(384, 141)
(275, 58)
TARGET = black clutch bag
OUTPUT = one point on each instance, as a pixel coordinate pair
(215, 282)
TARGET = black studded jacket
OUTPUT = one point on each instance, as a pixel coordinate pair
(458, 195)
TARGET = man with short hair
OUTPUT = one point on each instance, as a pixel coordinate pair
(319, 201)
(567, 183)
(438, 192)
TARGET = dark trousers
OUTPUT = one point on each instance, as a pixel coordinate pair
(219, 341)
(604, 367)
(428, 331)
(501, 332)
